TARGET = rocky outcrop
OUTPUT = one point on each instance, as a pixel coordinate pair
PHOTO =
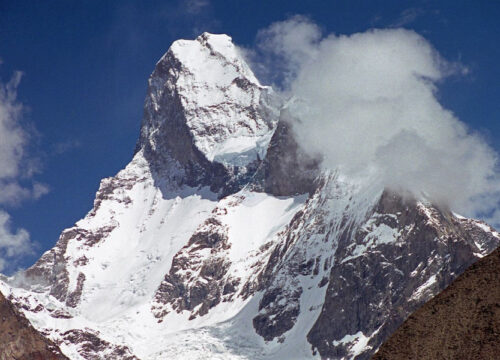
(49, 271)
(388, 276)
(92, 347)
(462, 322)
(287, 169)
(197, 282)
(19, 340)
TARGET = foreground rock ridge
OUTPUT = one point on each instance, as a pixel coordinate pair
(223, 239)
(462, 322)
(19, 340)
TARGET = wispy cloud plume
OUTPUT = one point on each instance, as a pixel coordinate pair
(13, 244)
(65, 146)
(368, 104)
(408, 16)
(16, 171)
(196, 6)
(12, 138)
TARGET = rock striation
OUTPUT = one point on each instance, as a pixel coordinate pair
(462, 322)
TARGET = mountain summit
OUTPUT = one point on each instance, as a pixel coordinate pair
(221, 239)
(207, 120)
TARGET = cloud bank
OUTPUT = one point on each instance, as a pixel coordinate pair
(16, 169)
(368, 104)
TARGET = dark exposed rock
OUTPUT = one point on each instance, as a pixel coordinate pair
(92, 347)
(373, 292)
(462, 322)
(74, 297)
(19, 340)
(176, 142)
(287, 169)
(50, 270)
(279, 278)
(278, 310)
(60, 314)
(196, 281)
(81, 261)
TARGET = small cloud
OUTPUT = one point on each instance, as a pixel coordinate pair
(407, 17)
(13, 194)
(39, 190)
(13, 244)
(65, 146)
(195, 6)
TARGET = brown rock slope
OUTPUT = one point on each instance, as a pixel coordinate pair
(19, 340)
(462, 322)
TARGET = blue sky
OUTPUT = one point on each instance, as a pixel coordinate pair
(86, 64)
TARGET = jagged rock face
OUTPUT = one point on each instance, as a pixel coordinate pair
(287, 169)
(194, 279)
(94, 348)
(462, 322)
(19, 340)
(387, 277)
(49, 270)
(206, 111)
(223, 239)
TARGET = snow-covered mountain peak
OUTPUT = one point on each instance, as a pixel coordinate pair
(221, 239)
(203, 93)
(193, 53)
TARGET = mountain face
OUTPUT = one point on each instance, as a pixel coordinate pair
(222, 239)
(462, 322)
(207, 120)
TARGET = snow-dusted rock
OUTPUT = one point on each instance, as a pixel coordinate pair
(206, 112)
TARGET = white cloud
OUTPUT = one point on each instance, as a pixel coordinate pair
(16, 169)
(367, 103)
(287, 45)
(39, 190)
(281, 50)
(12, 137)
(12, 244)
